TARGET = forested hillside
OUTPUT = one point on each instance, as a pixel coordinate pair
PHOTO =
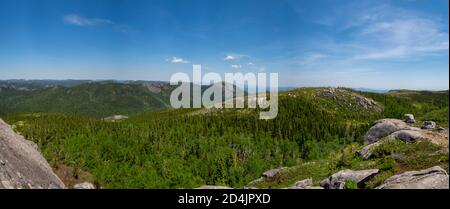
(187, 148)
(99, 99)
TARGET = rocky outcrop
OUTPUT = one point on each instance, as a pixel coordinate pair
(350, 98)
(428, 125)
(337, 180)
(409, 118)
(431, 178)
(22, 165)
(383, 128)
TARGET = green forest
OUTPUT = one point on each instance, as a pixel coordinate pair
(187, 148)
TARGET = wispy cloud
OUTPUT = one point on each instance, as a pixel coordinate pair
(78, 20)
(311, 58)
(177, 60)
(402, 36)
(391, 33)
(236, 66)
(381, 32)
(235, 57)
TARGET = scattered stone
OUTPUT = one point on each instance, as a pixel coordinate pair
(314, 187)
(303, 184)
(431, 178)
(213, 187)
(84, 185)
(409, 118)
(337, 180)
(440, 129)
(292, 95)
(271, 173)
(428, 125)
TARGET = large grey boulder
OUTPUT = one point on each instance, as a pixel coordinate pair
(384, 127)
(431, 178)
(337, 180)
(22, 165)
(428, 125)
(410, 136)
(409, 118)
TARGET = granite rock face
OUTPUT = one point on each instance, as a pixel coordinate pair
(431, 178)
(22, 166)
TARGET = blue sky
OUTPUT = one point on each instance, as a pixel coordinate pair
(373, 44)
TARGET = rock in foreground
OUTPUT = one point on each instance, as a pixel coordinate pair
(22, 165)
(84, 185)
(337, 180)
(431, 178)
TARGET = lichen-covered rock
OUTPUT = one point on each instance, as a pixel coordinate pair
(431, 178)
(337, 180)
(22, 165)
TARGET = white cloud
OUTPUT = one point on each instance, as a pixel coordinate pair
(230, 57)
(250, 64)
(236, 66)
(78, 20)
(177, 60)
(234, 57)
